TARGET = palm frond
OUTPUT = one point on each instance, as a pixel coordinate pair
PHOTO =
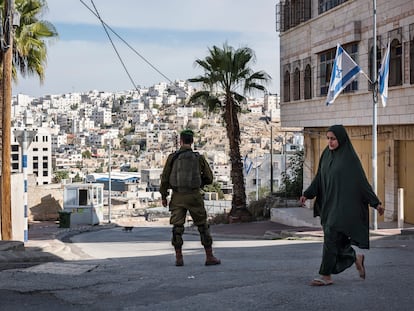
(29, 48)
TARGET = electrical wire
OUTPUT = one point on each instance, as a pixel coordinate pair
(114, 47)
(106, 26)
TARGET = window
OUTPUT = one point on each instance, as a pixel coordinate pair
(83, 196)
(70, 198)
(15, 157)
(412, 60)
(395, 75)
(296, 84)
(325, 68)
(15, 148)
(325, 5)
(291, 13)
(295, 12)
(371, 69)
(326, 61)
(286, 87)
(308, 82)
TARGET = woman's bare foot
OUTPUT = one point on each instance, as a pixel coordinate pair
(359, 263)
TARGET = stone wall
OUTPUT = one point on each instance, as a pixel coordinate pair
(44, 201)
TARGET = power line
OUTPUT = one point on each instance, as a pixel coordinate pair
(106, 26)
(114, 47)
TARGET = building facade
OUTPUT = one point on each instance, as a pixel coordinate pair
(39, 156)
(309, 34)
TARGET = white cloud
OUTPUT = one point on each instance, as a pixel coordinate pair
(227, 15)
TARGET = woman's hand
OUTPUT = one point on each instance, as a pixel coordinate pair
(302, 200)
(380, 209)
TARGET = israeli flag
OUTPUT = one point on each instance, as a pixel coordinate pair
(344, 71)
(248, 164)
(383, 77)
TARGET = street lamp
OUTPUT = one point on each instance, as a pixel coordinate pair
(271, 151)
(109, 182)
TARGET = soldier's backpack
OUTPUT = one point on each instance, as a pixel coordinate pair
(185, 172)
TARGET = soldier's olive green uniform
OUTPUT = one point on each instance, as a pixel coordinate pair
(191, 201)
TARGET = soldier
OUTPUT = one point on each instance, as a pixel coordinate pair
(186, 172)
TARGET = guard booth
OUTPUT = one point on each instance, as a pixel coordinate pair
(84, 202)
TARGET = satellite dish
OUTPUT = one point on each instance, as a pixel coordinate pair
(90, 178)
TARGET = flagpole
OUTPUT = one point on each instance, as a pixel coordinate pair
(375, 111)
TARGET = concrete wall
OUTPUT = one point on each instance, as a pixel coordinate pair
(17, 205)
(17, 208)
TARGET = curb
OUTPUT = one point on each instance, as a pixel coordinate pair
(53, 249)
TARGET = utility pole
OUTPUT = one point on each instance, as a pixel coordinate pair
(271, 160)
(374, 112)
(109, 182)
(7, 53)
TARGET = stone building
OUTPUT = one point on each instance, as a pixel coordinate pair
(309, 34)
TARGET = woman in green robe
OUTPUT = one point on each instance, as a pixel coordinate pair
(343, 194)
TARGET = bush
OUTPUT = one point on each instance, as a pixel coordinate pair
(258, 209)
(219, 219)
(292, 181)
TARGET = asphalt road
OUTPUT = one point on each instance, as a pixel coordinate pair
(135, 271)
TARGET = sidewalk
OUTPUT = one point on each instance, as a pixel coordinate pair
(45, 243)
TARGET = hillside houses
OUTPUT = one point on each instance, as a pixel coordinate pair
(142, 129)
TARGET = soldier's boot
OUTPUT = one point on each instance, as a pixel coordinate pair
(179, 257)
(210, 259)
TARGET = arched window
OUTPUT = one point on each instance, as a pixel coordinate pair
(412, 60)
(373, 75)
(395, 77)
(296, 84)
(308, 82)
(286, 87)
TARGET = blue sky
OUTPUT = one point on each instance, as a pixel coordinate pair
(170, 34)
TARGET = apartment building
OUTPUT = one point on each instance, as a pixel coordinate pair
(309, 34)
(102, 116)
(39, 156)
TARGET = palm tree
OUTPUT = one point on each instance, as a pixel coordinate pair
(29, 46)
(226, 73)
(29, 52)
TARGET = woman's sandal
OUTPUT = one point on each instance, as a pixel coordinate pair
(321, 282)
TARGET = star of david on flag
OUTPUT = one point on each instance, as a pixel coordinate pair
(344, 71)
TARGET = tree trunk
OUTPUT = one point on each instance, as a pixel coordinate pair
(239, 211)
(6, 219)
